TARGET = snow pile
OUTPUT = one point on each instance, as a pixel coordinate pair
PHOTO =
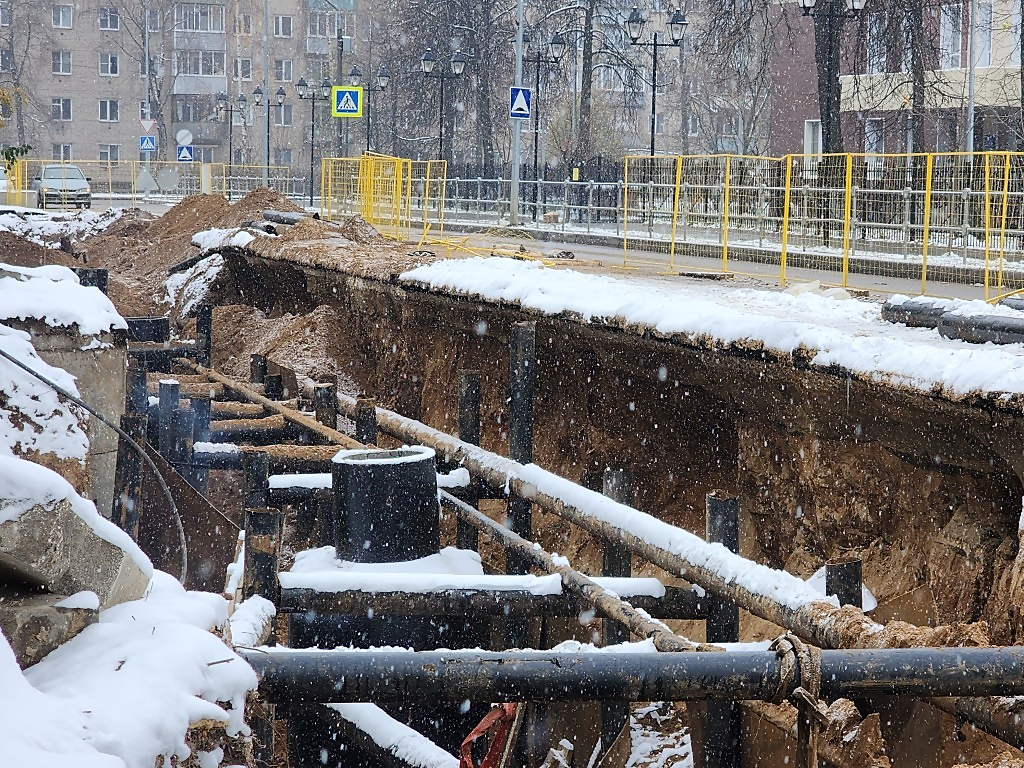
(32, 417)
(249, 619)
(46, 228)
(405, 743)
(53, 294)
(850, 335)
(188, 289)
(214, 239)
(124, 691)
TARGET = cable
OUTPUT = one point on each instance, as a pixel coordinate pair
(128, 438)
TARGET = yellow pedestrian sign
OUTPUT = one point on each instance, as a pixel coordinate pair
(347, 101)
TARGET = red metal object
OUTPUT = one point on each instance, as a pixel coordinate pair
(501, 719)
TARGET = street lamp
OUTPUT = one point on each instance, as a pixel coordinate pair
(257, 99)
(677, 28)
(828, 20)
(383, 78)
(556, 47)
(314, 95)
(458, 65)
(225, 107)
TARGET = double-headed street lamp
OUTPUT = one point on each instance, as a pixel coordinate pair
(828, 25)
(383, 78)
(555, 50)
(635, 29)
(458, 64)
(257, 100)
(314, 95)
(225, 107)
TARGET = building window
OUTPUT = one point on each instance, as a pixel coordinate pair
(950, 36)
(876, 44)
(282, 115)
(108, 111)
(199, 17)
(243, 69)
(202, 154)
(907, 47)
(108, 64)
(6, 60)
(63, 16)
(282, 157)
(946, 135)
(282, 26)
(145, 113)
(320, 70)
(109, 19)
(206, 63)
(874, 136)
(60, 110)
(693, 124)
(730, 124)
(283, 70)
(243, 24)
(5, 14)
(983, 36)
(60, 62)
(812, 137)
(62, 153)
(110, 153)
(6, 111)
(322, 24)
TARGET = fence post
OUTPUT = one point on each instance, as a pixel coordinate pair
(847, 202)
(128, 476)
(522, 368)
(366, 421)
(616, 560)
(255, 482)
(263, 533)
(466, 536)
(137, 396)
(785, 220)
(722, 739)
(927, 222)
(325, 404)
(257, 368)
(168, 400)
(725, 214)
(201, 434)
(204, 335)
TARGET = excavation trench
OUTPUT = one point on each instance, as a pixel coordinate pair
(924, 489)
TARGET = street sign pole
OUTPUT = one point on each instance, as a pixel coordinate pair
(517, 149)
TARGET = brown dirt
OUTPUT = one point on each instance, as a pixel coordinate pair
(1005, 760)
(19, 252)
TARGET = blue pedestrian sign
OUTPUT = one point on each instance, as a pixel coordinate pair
(185, 154)
(347, 101)
(520, 103)
(147, 143)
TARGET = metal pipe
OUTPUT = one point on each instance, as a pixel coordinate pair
(676, 604)
(325, 404)
(844, 581)
(387, 676)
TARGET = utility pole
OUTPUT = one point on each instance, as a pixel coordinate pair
(517, 148)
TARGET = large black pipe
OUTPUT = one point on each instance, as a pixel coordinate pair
(347, 676)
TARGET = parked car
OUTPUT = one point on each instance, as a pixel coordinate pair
(3, 178)
(62, 185)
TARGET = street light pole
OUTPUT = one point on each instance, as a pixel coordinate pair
(458, 65)
(257, 99)
(310, 92)
(225, 107)
(635, 28)
(555, 49)
(513, 207)
(383, 79)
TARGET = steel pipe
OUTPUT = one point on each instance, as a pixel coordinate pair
(387, 676)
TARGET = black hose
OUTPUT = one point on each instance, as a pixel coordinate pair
(125, 436)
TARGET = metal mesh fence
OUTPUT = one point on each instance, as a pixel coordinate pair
(650, 207)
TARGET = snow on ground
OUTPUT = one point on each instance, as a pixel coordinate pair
(46, 228)
(847, 334)
(189, 288)
(124, 691)
(408, 745)
(53, 294)
(213, 239)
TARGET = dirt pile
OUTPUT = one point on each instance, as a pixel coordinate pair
(19, 252)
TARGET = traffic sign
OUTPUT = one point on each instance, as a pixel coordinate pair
(147, 125)
(147, 143)
(519, 103)
(185, 154)
(347, 101)
(183, 137)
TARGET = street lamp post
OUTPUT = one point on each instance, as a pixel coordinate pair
(224, 106)
(828, 21)
(310, 92)
(458, 64)
(257, 99)
(383, 78)
(555, 50)
(635, 29)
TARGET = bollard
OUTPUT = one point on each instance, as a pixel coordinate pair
(167, 404)
(615, 561)
(263, 533)
(722, 729)
(843, 579)
(323, 500)
(522, 365)
(137, 399)
(204, 335)
(93, 278)
(181, 447)
(255, 485)
(128, 476)
(273, 386)
(366, 421)
(201, 434)
(257, 368)
(325, 404)
(466, 536)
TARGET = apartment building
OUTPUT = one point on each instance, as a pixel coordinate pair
(78, 73)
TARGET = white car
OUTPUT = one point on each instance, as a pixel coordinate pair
(3, 179)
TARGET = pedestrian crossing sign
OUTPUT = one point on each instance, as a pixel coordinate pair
(347, 101)
(519, 103)
(147, 143)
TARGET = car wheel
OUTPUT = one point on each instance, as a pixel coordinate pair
(40, 202)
